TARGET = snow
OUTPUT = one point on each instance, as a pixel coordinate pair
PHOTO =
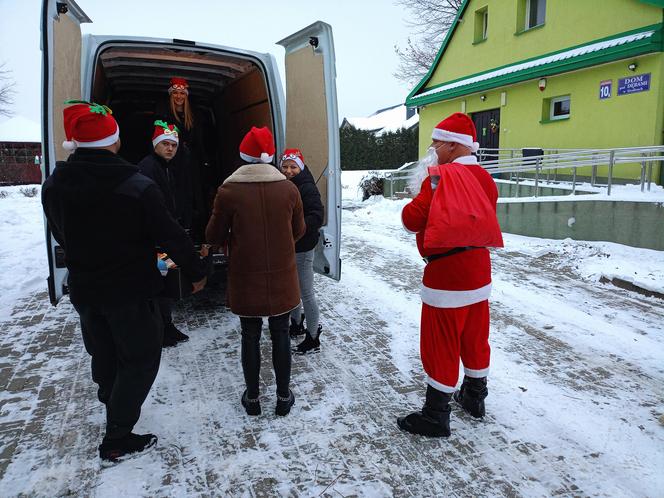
(390, 120)
(575, 386)
(514, 68)
(20, 129)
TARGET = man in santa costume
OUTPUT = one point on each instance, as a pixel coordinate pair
(109, 218)
(456, 283)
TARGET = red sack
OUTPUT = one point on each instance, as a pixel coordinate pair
(461, 214)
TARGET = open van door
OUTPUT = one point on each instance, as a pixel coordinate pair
(312, 125)
(61, 80)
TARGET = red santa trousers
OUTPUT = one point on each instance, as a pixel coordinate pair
(450, 334)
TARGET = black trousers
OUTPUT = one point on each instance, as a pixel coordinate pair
(251, 352)
(124, 341)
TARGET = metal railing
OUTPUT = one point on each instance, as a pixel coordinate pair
(514, 163)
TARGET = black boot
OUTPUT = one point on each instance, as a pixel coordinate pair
(471, 396)
(172, 331)
(296, 329)
(252, 406)
(284, 404)
(309, 344)
(433, 420)
(113, 449)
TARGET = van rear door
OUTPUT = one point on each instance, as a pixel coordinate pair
(312, 125)
(61, 80)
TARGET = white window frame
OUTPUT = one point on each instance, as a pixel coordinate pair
(553, 103)
(528, 6)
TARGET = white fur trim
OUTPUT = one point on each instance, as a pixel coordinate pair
(295, 159)
(439, 298)
(255, 173)
(451, 136)
(162, 137)
(466, 160)
(104, 142)
(476, 374)
(440, 387)
(265, 158)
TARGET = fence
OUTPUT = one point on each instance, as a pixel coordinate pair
(519, 165)
(19, 163)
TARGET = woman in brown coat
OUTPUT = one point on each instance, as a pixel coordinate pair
(259, 212)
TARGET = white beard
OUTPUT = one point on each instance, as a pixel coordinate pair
(420, 171)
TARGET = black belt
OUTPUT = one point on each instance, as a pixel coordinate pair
(456, 250)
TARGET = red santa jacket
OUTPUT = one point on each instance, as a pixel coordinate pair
(460, 279)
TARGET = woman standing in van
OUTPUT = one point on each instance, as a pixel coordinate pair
(191, 155)
(292, 165)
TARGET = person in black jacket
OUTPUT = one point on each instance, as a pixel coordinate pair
(292, 165)
(108, 218)
(176, 187)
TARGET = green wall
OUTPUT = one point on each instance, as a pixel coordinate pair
(568, 23)
(620, 121)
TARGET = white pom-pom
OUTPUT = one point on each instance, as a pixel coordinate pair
(265, 157)
(69, 145)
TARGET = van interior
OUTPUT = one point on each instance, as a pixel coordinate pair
(227, 93)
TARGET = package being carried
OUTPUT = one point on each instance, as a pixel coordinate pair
(461, 214)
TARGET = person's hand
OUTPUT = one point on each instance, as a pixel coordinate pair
(197, 286)
(205, 250)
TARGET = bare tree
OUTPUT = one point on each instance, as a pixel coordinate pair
(6, 91)
(430, 21)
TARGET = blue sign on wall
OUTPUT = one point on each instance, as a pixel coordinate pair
(634, 84)
(605, 88)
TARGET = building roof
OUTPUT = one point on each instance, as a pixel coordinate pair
(20, 129)
(385, 120)
(617, 47)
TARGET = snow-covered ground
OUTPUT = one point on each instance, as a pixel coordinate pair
(576, 388)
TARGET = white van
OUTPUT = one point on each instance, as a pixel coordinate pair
(235, 88)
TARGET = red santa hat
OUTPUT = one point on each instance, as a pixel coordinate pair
(89, 125)
(257, 146)
(293, 155)
(457, 128)
(178, 84)
(164, 131)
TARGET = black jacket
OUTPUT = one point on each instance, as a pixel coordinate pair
(108, 218)
(174, 183)
(313, 209)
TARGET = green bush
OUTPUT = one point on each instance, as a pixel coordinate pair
(361, 149)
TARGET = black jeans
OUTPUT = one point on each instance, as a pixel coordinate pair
(124, 341)
(251, 352)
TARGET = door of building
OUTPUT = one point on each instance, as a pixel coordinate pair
(487, 124)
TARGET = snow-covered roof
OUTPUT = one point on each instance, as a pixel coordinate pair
(387, 120)
(20, 129)
(568, 54)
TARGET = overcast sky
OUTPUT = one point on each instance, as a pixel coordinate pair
(365, 32)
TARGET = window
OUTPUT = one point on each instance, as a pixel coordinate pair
(535, 13)
(481, 24)
(559, 108)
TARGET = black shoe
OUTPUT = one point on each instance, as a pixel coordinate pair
(284, 404)
(111, 450)
(169, 341)
(309, 344)
(252, 406)
(471, 396)
(433, 420)
(296, 329)
(173, 332)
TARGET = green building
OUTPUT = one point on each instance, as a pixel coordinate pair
(556, 74)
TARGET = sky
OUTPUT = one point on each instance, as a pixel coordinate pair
(365, 33)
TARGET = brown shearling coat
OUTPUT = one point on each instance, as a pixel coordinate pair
(259, 212)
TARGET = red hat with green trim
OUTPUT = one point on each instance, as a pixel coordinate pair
(164, 131)
(89, 125)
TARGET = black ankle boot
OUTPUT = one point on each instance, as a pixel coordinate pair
(111, 450)
(295, 328)
(309, 344)
(471, 396)
(433, 420)
(284, 404)
(252, 406)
